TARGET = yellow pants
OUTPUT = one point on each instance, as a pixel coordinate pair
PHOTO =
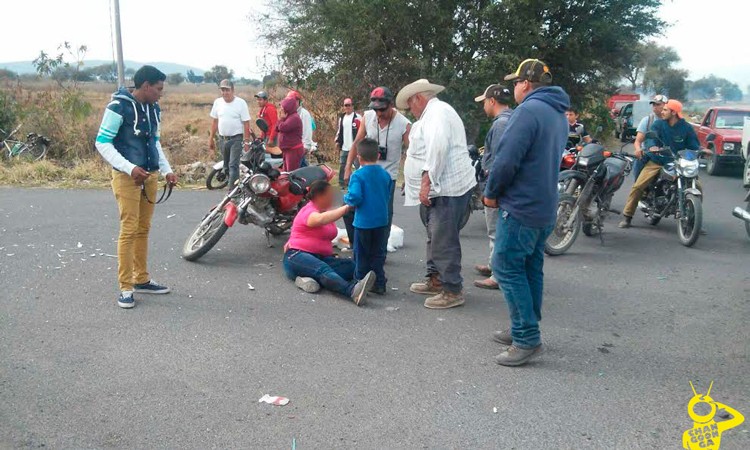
(135, 223)
(648, 173)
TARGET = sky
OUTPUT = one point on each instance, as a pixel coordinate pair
(711, 37)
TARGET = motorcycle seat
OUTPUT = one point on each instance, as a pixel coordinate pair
(301, 179)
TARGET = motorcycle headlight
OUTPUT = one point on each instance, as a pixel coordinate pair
(688, 168)
(583, 162)
(260, 183)
(729, 146)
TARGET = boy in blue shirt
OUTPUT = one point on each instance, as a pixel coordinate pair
(370, 192)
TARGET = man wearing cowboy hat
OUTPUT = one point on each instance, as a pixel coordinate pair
(438, 174)
(523, 184)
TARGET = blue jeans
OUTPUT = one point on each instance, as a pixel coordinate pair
(334, 274)
(370, 247)
(518, 265)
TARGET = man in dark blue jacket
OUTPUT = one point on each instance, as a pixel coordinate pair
(523, 184)
(129, 139)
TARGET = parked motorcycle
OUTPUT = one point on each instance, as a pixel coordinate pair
(218, 178)
(675, 192)
(263, 196)
(475, 203)
(586, 195)
(572, 148)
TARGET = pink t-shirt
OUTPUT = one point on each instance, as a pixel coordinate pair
(312, 240)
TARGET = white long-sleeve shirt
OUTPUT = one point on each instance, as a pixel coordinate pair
(307, 131)
(437, 145)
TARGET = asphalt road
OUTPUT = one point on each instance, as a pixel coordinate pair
(628, 324)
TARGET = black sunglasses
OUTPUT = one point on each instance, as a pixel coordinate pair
(347, 104)
(380, 99)
(379, 109)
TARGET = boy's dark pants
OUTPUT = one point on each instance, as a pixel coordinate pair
(370, 247)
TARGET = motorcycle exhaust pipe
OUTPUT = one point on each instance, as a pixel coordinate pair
(256, 216)
(741, 214)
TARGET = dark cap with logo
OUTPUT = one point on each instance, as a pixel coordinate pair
(380, 98)
(498, 92)
(531, 70)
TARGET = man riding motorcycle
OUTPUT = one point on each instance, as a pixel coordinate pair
(675, 133)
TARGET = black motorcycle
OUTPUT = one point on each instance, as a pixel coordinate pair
(475, 203)
(586, 196)
(675, 192)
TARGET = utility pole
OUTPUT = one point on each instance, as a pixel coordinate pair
(118, 44)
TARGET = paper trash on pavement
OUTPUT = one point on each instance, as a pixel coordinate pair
(274, 400)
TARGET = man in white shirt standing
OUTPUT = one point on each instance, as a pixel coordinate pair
(438, 174)
(231, 118)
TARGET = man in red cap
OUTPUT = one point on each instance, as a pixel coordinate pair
(346, 132)
(673, 132)
(384, 124)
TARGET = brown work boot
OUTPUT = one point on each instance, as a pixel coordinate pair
(489, 283)
(625, 222)
(444, 300)
(483, 270)
(430, 286)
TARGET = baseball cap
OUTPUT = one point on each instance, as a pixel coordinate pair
(380, 98)
(658, 99)
(498, 92)
(261, 94)
(532, 70)
(675, 106)
(226, 84)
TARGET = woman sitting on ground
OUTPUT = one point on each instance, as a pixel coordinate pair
(308, 257)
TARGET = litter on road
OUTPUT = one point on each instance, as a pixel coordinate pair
(274, 400)
(250, 286)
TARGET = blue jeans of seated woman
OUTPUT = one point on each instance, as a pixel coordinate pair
(518, 265)
(334, 274)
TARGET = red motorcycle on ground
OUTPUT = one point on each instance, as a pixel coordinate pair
(263, 196)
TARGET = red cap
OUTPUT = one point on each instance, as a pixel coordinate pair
(294, 94)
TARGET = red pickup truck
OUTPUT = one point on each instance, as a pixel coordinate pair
(721, 132)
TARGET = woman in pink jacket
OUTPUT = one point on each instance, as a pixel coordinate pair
(290, 135)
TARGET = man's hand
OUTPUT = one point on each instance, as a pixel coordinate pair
(171, 179)
(211, 143)
(424, 190)
(139, 175)
(639, 153)
(489, 202)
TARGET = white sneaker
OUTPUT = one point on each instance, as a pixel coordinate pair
(307, 284)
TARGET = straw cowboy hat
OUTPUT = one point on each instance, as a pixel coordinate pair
(415, 88)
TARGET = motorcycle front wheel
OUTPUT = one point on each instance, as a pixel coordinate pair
(689, 226)
(204, 237)
(562, 238)
(217, 179)
(747, 224)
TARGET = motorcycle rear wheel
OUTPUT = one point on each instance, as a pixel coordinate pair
(214, 179)
(560, 241)
(203, 238)
(689, 227)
